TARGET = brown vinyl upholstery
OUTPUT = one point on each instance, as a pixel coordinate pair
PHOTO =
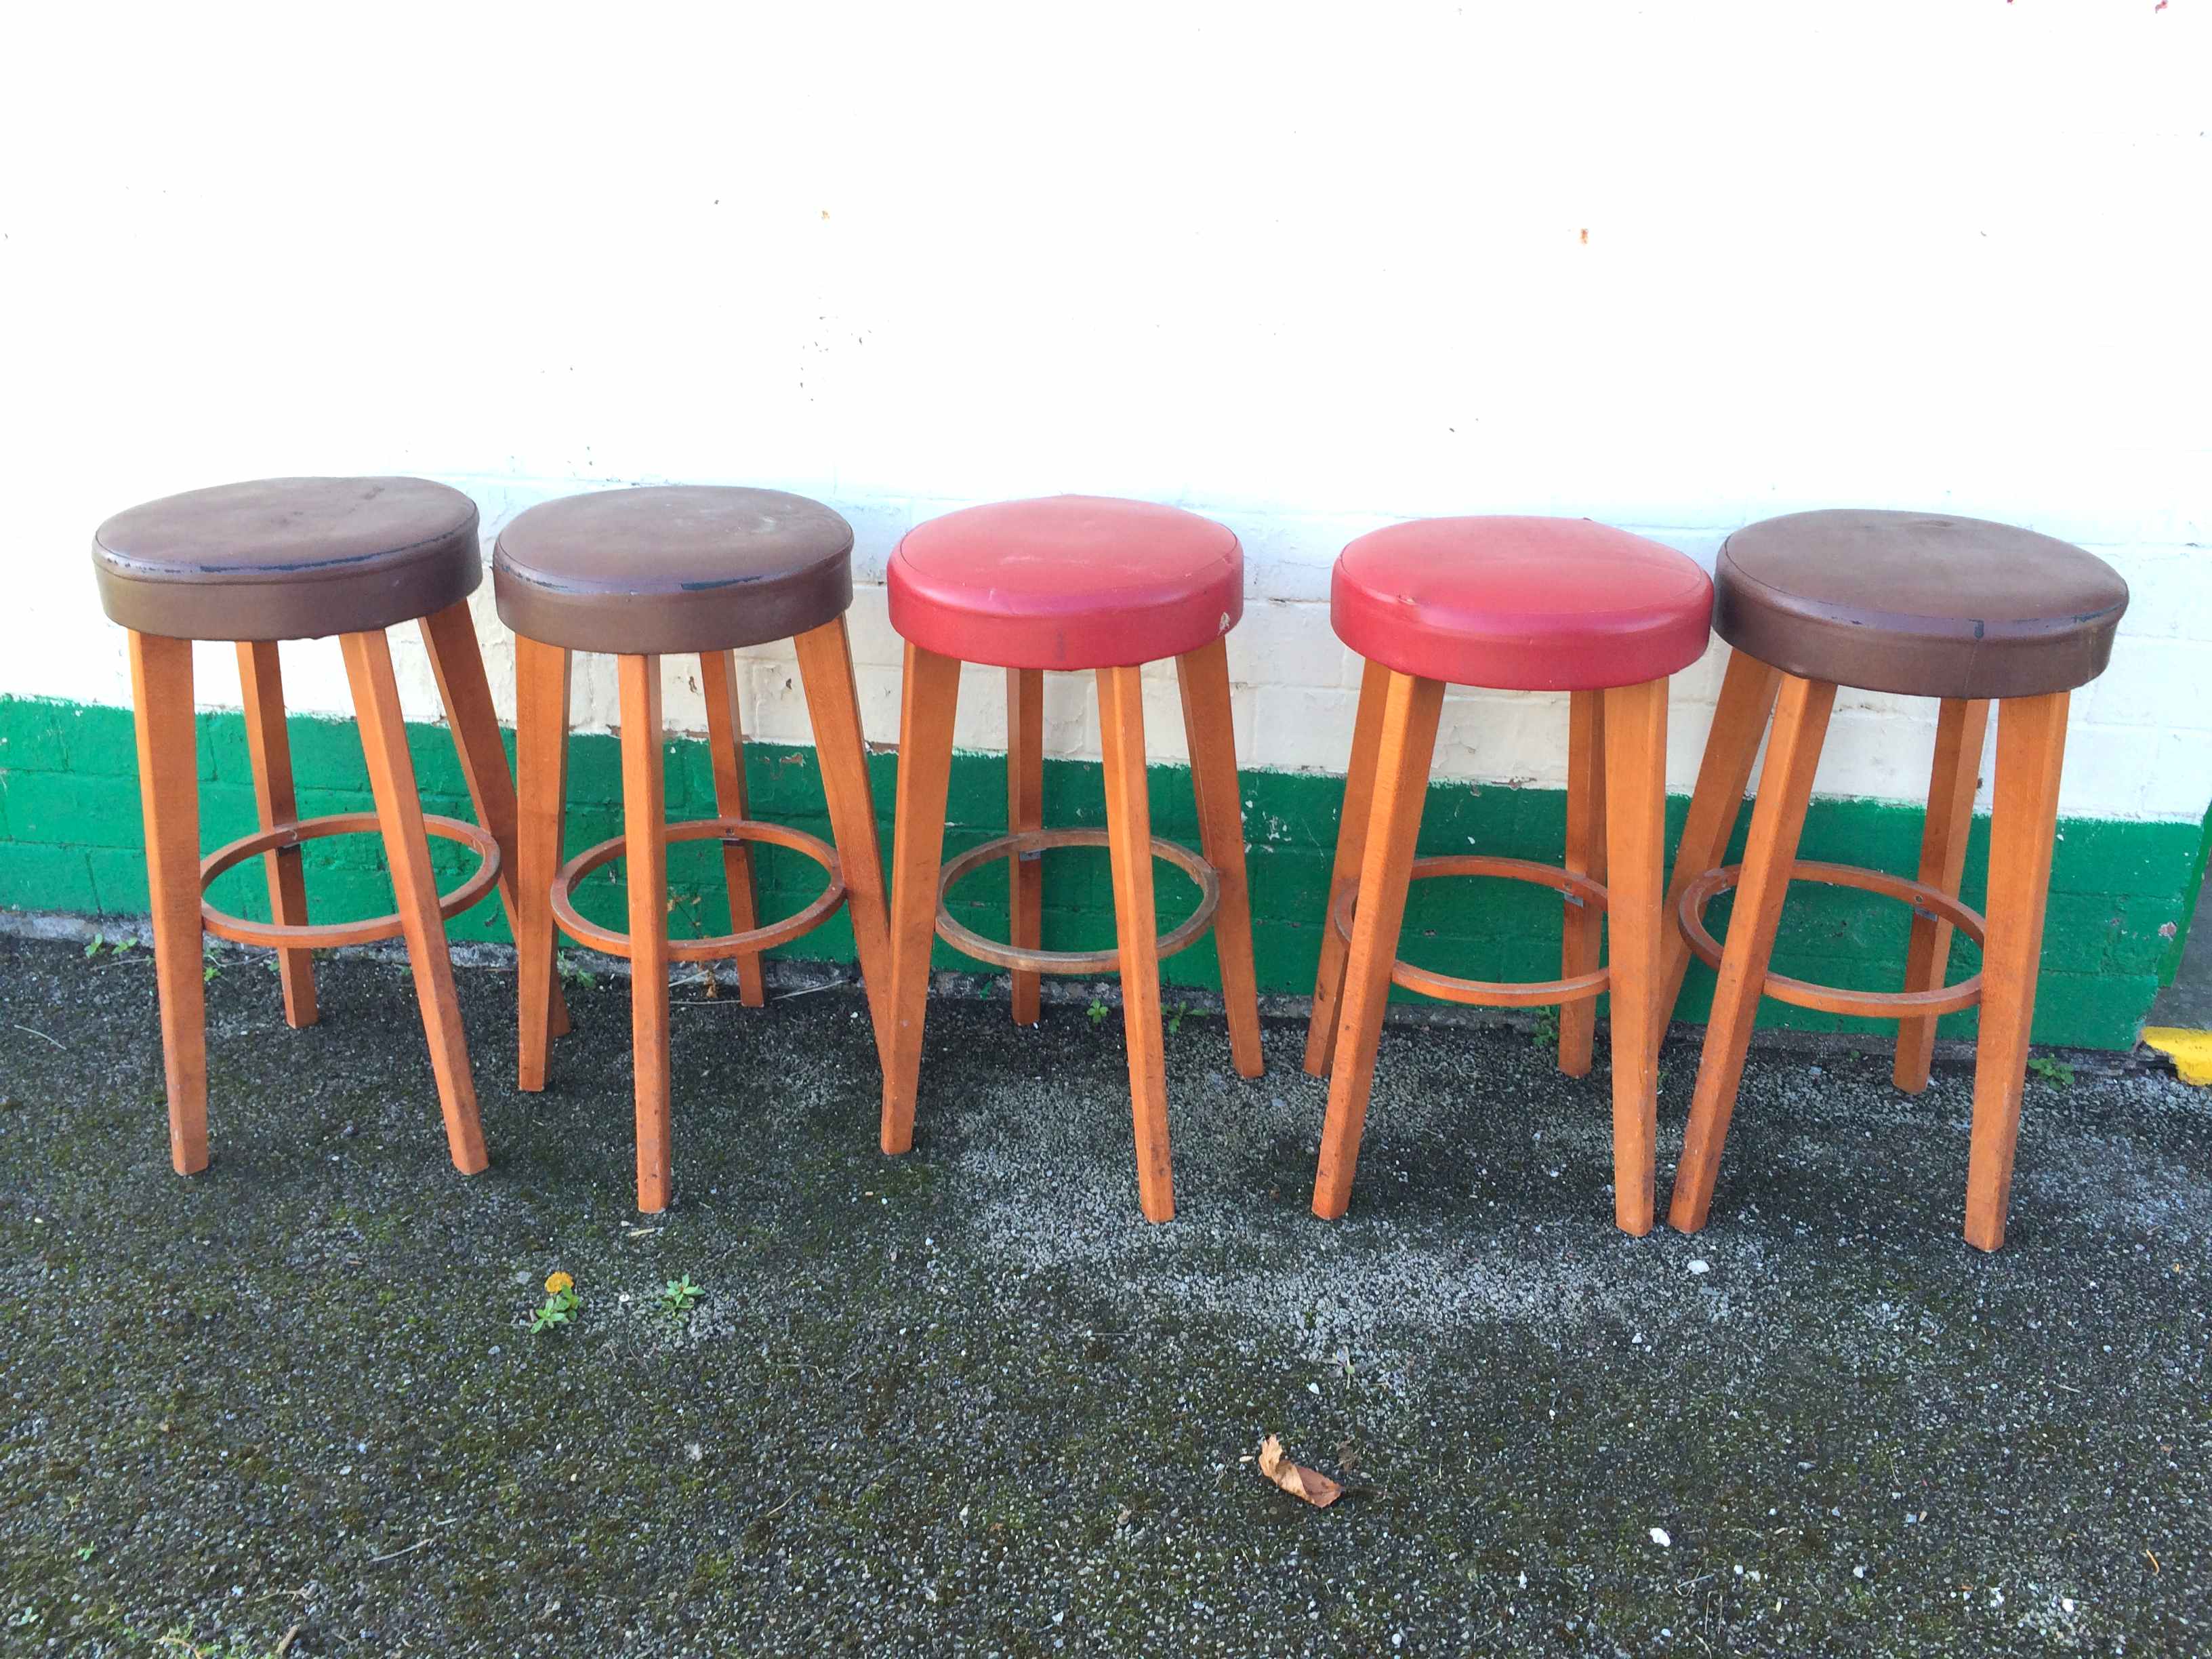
(670, 569)
(287, 558)
(1926, 603)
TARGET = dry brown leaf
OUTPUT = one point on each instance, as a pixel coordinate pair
(1316, 1488)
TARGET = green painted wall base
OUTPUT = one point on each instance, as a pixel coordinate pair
(70, 840)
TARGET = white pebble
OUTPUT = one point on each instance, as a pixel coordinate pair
(1659, 1537)
(1700, 1267)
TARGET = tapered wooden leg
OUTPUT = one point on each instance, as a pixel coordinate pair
(644, 859)
(725, 749)
(541, 765)
(1585, 931)
(1025, 811)
(169, 797)
(833, 702)
(407, 849)
(270, 744)
(1634, 729)
(1136, 925)
(1208, 730)
(1350, 848)
(1785, 788)
(1401, 780)
(930, 699)
(457, 660)
(1746, 699)
(2023, 830)
(1959, 729)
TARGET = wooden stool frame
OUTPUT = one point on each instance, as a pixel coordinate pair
(169, 778)
(2023, 832)
(930, 700)
(855, 865)
(1616, 826)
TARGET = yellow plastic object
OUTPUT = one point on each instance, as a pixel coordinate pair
(2192, 1051)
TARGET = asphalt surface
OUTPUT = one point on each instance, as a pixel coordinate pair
(969, 1402)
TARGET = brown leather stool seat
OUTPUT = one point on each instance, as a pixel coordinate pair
(672, 569)
(1922, 603)
(1996, 622)
(287, 558)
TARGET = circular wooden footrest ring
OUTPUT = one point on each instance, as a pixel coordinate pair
(729, 944)
(1483, 993)
(1690, 915)
(320, 936)
(971, 943)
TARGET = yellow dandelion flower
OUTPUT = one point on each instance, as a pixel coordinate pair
(558, 1283)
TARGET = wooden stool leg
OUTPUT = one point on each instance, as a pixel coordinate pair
(407, 849)
(833, 702)
(1136, 925)
(1634, 733)
(644, 859)
(1585, 931)
(725, 749)
(1785, 788)
(168, 792)
(270, 744)
(457, 660)
(1408, 745)
(1350, 848)
(1025, 811)
(1959, 729)
(2023, 830)
(1731, 748)
(541, 765)
(1211, 735)
(931, 698)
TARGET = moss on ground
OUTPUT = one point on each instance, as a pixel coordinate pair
(968, 1401)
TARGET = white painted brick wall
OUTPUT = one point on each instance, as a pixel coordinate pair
(1308, 278)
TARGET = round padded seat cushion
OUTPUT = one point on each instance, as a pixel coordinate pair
(1521, 604)
(671, 569)
(1920, 602)
(1066, 582)
(287, 558)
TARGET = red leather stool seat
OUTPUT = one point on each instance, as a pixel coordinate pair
(1066, 582)
(1521, 604)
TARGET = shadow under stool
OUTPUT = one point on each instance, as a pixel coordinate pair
(1074, 583)
(1925, 604)
(1520, 605)
(680, 570)
(296, 559)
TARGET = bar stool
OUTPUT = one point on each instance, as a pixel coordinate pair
(1070, 582)
(296, 559)
(1523, 604)
(641, 573)
(1928, 606)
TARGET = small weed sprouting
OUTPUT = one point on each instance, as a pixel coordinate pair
(573, 974)
(1545, 1032)
(562, 1302)
(1097, 1011)
(1176, 1015)
(678, 1295)
(98, 943)
(2057, 1072)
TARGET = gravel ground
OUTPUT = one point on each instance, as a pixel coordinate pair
(968, 1402)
